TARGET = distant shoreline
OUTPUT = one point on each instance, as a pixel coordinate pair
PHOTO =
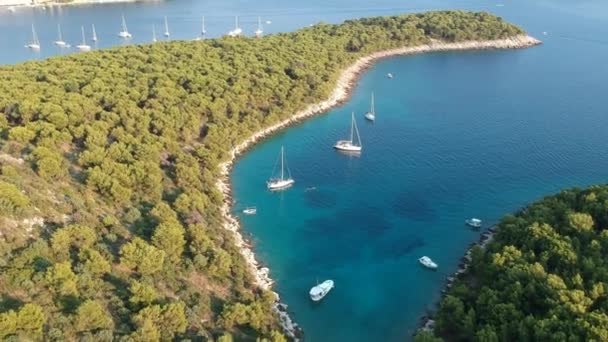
(30, 3)
(341, 93)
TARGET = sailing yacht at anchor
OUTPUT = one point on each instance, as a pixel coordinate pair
(60, 42)
(371, 115)
(83, 46)
(124, 31)
(237, 30)
(35, 43)
(259, 31)
(167, 34)
(349, 145)
(281, 182)
(94, 33)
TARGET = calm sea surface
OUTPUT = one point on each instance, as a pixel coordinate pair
(457, 135)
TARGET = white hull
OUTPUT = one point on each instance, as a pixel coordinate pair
(83, 48)
(60, 43)
(346, 145)
(428, 263)
(280, 184)
(33, 46)
(475, 223)
(250, 211)
(320, 291)
(124, 34)
(370, 116)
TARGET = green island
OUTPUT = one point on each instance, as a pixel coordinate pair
(542, 277)
(110, 218)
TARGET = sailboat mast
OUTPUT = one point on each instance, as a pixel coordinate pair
(59, 32)
(83, 39)
(282, 152)
(352, 127)
(203, 30)
(94, 33)
(236, 22)
(373, 109)
(124, 24)
(34, 36)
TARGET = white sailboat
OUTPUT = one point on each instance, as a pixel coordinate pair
(203, 30)
(167, 34)
(259, 31)
(94, 33)
(83, 46)
(35, 43)
(321, 290)
(154, 40)
(371, 115)
(237, 30)
(124, 31)
(281, 182)
(60, 42)
(350, 145)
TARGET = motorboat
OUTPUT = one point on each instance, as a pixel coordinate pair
(473, 222)
(321, 290)
(250, 211)
(427, 262)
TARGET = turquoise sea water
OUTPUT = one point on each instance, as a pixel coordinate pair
(457, 135)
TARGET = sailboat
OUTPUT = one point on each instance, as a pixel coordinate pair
(349, 145)
(154, 40)
(371, 115)
(237, 30)
(282, 182)
(94, 33)
(35, 43)
(167, 34)
(259, 31)
(124, 32)
(60, 42)
(203, 32)
(83, 46)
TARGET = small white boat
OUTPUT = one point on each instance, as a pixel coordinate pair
(35, 43)
(268, 22)
(250, 211)
(321, 290)
(473, 222)
(124, 31)
(60, 42)
(11, 9)
(237, 30)
(427, 262)
(94, 38)
(281, 182)
(259, 31)
(167, 33)
(83, 46)
(371, 115)
(350, 145)
(389, 75)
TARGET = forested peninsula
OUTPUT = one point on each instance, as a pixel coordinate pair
(111, 220)
(543, 276)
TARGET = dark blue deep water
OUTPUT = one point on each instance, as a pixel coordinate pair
(457, 135)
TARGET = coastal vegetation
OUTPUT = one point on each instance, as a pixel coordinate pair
(110, 220)
(543, 277)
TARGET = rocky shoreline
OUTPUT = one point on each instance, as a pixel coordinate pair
(341, 93)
